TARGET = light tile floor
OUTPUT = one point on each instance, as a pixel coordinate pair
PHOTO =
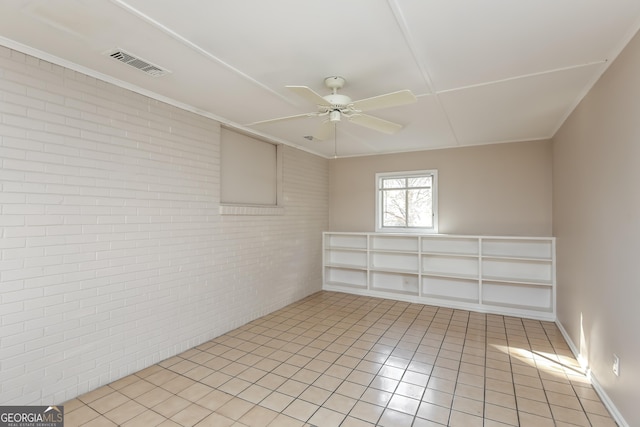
(335, 359)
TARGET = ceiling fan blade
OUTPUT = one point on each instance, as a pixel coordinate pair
(310, 95)
(280, 119)
(388, 100)
(325, 131)
(375, 123)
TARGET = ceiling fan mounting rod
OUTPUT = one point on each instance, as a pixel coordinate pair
(334, 82)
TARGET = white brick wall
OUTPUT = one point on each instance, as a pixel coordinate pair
(113, 254)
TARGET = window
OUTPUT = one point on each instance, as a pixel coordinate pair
(407, 201)
(250, 175)
(248, 169)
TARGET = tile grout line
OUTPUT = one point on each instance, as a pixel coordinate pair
(346, 327)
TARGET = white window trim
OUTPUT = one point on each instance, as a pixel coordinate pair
(258, 210)
(434, 197)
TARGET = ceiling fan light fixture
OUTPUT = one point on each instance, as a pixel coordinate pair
(334, 116)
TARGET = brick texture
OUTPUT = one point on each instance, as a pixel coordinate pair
(113, 251)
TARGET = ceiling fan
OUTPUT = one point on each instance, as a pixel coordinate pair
(336, 106)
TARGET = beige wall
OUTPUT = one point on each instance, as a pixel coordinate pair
(596, 219)
(502, 189)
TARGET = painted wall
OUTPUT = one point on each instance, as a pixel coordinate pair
(596, 219)
(113, 251)
(502, 189)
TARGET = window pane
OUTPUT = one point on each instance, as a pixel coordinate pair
(419, 181)
(393, 183)
(393, 208)
(420, 208)
(407, 201)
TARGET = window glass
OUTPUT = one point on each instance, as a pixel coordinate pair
(393, 183)
(406, 201)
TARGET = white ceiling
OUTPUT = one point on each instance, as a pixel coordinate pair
(484, 72)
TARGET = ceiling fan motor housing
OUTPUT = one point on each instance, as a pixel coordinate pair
(337, 100)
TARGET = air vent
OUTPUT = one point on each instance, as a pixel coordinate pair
(137, 62)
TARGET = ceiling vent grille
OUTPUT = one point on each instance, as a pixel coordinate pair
(137, 62)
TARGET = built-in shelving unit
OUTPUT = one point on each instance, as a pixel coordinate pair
(495, 274)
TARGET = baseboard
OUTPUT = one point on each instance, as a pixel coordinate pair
(608, 403)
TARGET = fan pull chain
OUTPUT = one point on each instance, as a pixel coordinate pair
(335, 141)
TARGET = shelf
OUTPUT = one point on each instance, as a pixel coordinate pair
(547, 309)
(394, 270)
(516, 281)
(395, 261)
(341, 257)
(395, 291)
(450, 275)
(447, 265)
(390, 281)
(455, 289)
(453, 299)
(393, 243)
(345, 241)
(517, 270)
(532, 297)
(450, 245)
(345, 276)
(498, 274)
(394, 251)
(343, 284)
(450, 254)
(346, 266)
(515, 258)
(345, 248)
(528, 248)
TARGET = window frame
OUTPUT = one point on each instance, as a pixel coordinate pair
(230, 136)
(403, 175)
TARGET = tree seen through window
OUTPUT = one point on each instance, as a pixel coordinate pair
(406, 202)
